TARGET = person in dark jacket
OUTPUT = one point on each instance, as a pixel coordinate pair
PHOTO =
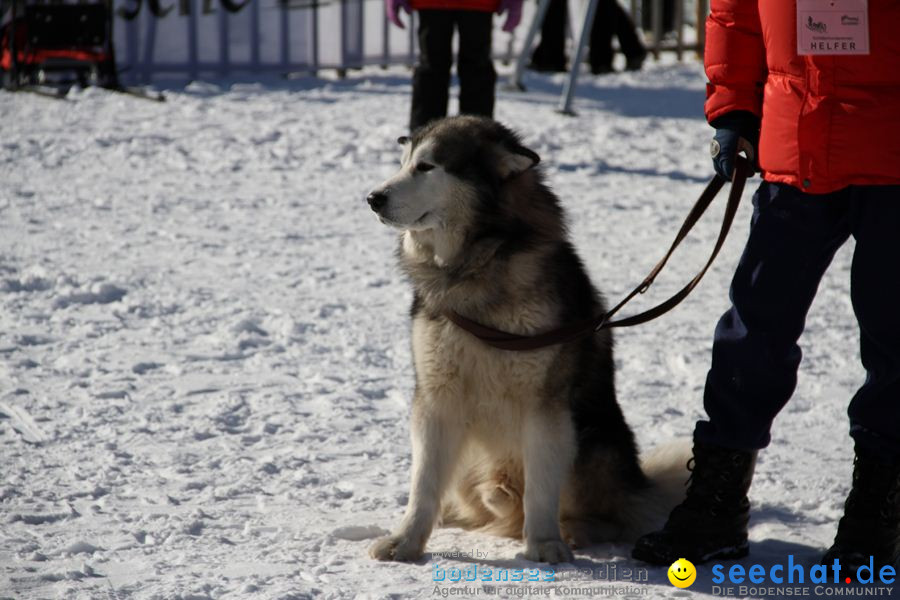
(610, 19)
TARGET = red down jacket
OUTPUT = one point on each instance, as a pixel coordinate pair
(827, 121)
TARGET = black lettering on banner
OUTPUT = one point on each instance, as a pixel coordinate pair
(184, 8)
(130, 15)
(232, 6)
(158, 11)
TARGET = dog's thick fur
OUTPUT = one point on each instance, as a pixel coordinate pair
(527, 444)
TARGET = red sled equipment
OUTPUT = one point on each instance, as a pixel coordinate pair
(48, 48)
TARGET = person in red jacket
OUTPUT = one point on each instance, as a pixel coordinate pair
(815, 87)
(474, 65)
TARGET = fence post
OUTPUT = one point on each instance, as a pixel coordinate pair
(656, 17)
(702, 12)
(678, 19)
(315, 37)
(224, 49)
(412, 39)
(386, 40)
(285, 52)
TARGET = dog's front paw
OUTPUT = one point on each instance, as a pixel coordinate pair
(395, 548)
(549, 551)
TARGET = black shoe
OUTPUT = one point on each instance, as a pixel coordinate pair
(634, 63)
(712, 520)
(547, 67)
(871, 521)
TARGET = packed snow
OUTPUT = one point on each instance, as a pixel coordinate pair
(205, 369)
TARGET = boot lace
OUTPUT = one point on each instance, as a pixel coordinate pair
(716, 486)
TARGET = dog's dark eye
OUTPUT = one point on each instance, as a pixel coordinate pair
(424, 167)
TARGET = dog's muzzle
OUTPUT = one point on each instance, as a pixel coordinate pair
(377, 200)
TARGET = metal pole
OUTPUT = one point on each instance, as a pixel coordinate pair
(412, 39)
(565, 101)
(285, 50)
(515, 80)
(193, 44)
(149, 45)
(702, 11)
(224, 49)
(679, 28)
(254, 35)
(342, 71)
(386, 40)
(314, 35)
(657, 19)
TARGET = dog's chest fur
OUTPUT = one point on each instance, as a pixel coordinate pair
(483, 385)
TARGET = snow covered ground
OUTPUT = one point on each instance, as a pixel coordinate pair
(204, 356)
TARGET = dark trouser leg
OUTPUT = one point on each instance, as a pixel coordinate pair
(477, 78)
(792, 240)
(550, 53)
(600, 52)
(631, 44)
(611, 19)
(668, 15)
(872, 511)
(875, 291)
(431, 77)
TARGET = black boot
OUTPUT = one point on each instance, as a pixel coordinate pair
(712, 520)
(871, 522)
(636, 61)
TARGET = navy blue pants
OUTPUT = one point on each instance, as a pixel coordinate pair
(793, 237)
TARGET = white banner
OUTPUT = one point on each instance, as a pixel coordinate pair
(215, 38)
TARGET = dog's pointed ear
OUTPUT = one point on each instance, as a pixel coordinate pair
(516, 159)
(407, 148)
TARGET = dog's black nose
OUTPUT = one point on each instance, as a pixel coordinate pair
(377, 200)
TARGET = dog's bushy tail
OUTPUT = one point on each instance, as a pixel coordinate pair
(666, 468)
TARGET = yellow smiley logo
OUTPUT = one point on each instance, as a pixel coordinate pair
(682, 573)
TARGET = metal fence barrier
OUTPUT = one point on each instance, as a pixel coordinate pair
(196, 39)
(210, 38)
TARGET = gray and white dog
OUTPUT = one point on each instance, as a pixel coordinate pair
(524, 444)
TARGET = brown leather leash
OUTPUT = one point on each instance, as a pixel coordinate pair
(574, 331)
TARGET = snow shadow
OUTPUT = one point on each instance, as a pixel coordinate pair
(620, 97)
(359, 82)
(775, 513)
(616, 94)
(602, 167)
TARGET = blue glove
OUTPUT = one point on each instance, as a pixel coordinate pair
(736, 132)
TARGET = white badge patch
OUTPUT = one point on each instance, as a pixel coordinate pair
(832, 27)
